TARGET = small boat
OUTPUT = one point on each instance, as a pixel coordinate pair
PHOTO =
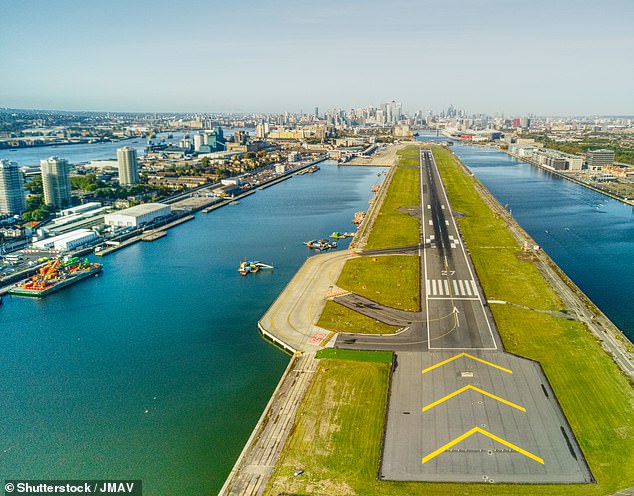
(251, 267)
(341, 235)
(321, 244)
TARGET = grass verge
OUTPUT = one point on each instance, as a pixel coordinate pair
(390, 280)
(338, 318)
(393, 227)
(356, 355)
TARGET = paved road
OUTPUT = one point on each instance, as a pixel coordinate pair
(461, 409)
(291, 320)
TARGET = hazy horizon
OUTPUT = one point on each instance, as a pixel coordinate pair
(496, 56)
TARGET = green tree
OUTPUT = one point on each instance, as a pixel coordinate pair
(35, 185)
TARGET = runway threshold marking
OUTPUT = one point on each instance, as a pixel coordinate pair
(475, 430)
(478, 390)
(445, 362)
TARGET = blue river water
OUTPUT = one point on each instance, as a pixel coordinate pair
(86, 152)
(590, 236)
(155, 369)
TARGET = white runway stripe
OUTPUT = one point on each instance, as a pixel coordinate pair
(457, 287)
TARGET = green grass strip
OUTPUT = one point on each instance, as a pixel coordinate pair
(355, 355)
(334, 438)
(391, 280)
(392, 226)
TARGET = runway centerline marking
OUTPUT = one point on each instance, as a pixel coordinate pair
(475, 430)
(445, 362)
(478, 390)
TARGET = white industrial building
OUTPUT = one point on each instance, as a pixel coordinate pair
(66, 242)
(79, 209)
(135, 216)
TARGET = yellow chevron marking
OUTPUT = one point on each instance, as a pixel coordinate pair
(487, 434)
(481, 391)
(445, 362)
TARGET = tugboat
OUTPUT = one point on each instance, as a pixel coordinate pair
(251, 267)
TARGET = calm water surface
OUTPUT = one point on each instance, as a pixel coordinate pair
(155, 370)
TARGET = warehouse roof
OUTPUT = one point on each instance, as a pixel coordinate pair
(144, 208)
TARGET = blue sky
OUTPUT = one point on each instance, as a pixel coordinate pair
(547, 57)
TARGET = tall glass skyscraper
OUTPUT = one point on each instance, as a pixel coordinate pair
(128, 168)
(12, 200)
(56, 182)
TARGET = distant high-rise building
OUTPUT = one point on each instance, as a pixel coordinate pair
(316, 114)
(597, 159)
(55, 182)
(199, 140)
(391, 113)
(240, 137)
(516, 123)
(128, 167)
(262, 130)
(12, 199)
(397, 113)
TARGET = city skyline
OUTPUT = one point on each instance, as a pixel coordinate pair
(491, 57)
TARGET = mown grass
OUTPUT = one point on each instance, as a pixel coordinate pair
(334, 438)
(338, 318)
(390, 280)
(355, 355)
(409, 156)
(393, 227)
(341, 456)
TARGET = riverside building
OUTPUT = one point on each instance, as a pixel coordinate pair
(597, 159)
(128, 166)
(12, 200)
(55, 182)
